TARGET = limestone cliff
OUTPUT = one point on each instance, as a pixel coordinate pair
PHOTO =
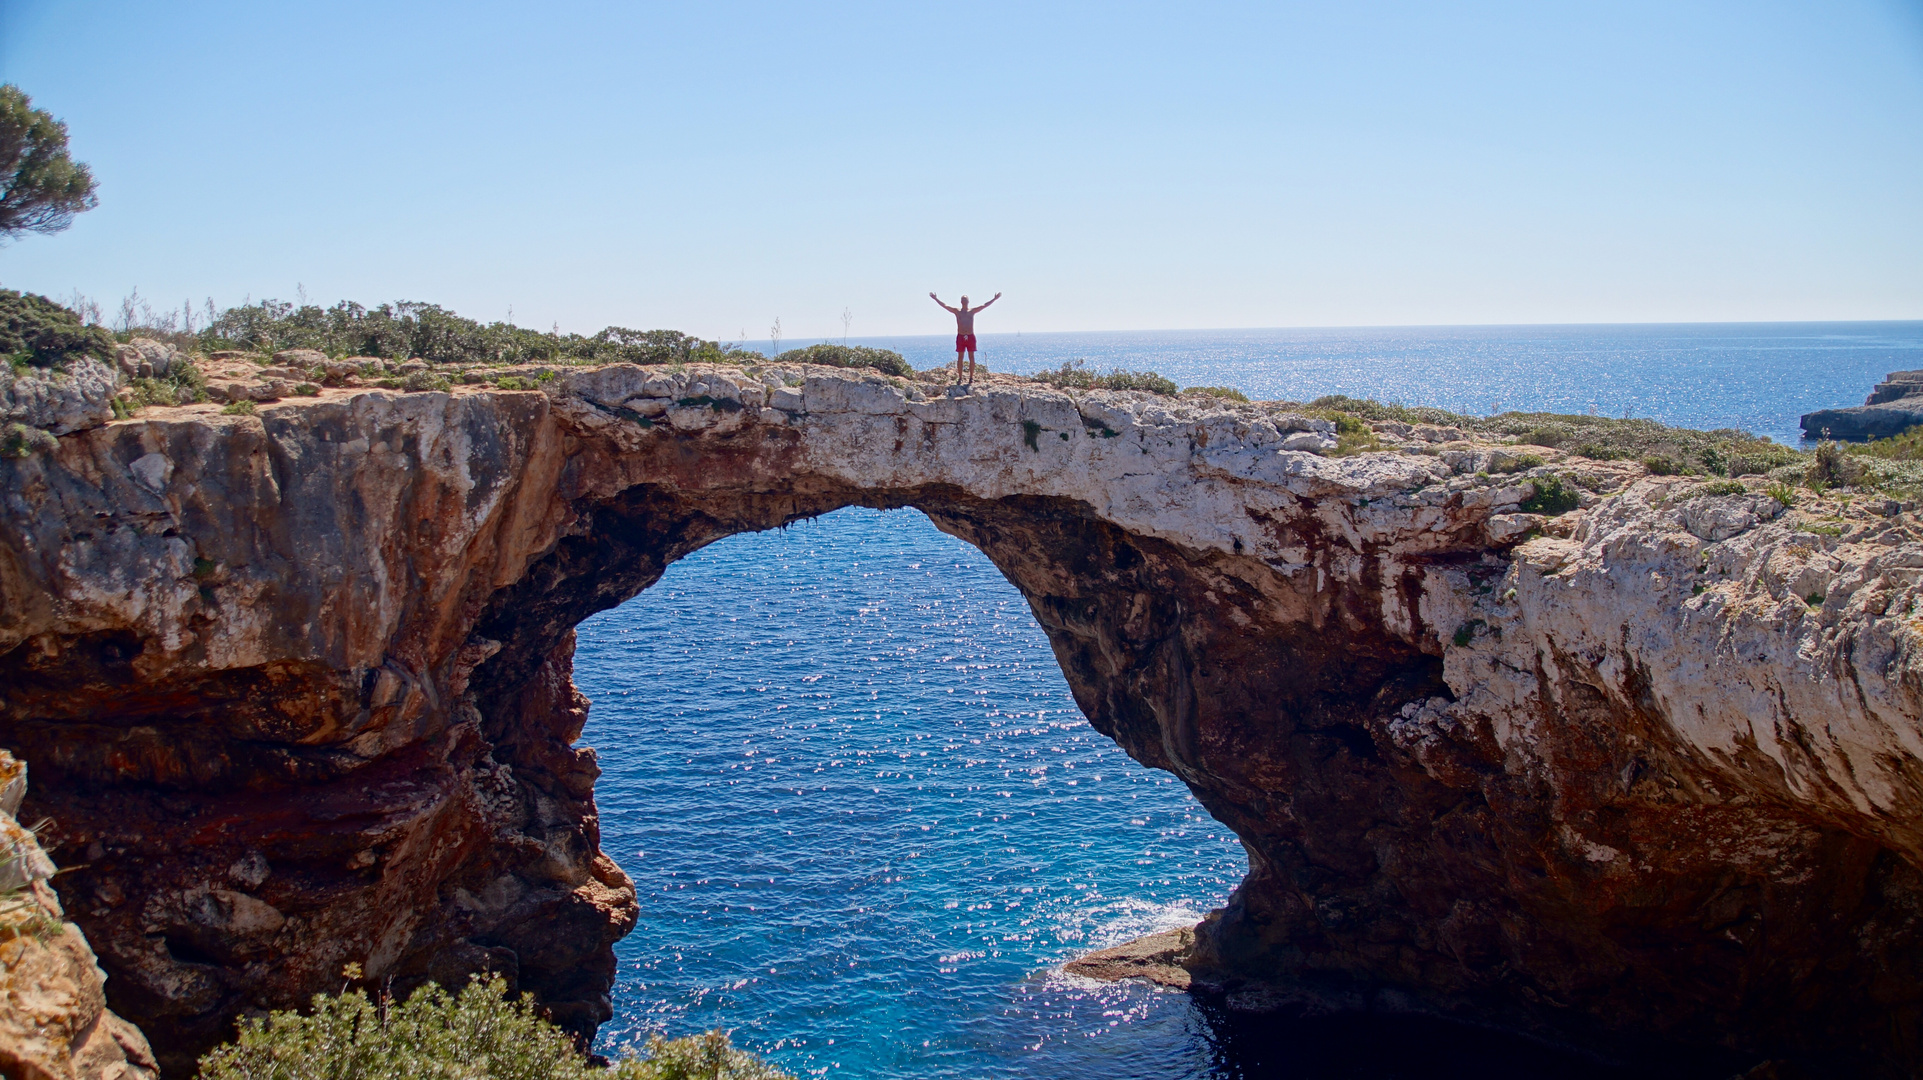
(54, 1020)
(298, 686)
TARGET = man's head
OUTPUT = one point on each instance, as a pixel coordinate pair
(964, 301)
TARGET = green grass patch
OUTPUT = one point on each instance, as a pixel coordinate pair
(238, 408)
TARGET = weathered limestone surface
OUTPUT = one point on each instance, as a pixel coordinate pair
(59, 402)
(54, 1020)
(297, 686)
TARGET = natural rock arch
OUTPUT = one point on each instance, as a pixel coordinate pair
(297, 690)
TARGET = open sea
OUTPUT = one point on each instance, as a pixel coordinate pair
(867, 822)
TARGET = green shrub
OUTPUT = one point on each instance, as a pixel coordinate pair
(425, 380)
(182, 385)
(1368, 409)
(19, 440)
(1905, 447)
(696, 1057)
(307, 389)
(479, 1034)
(406, 330)
(1519, 463)
(389, 384)
(886, 361)
(37, 331)
(1074, 375)
(1345, 424)
(512, 382)
(1226, 393)
(1784, 495)
(238, 408)
(1829, 465)
(1552, 495)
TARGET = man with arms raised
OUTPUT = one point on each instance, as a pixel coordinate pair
(964, 332)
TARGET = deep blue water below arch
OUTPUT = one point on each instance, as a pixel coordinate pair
(867, 823)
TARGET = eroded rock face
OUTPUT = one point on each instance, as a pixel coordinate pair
(298, 686)
(58, 401)
(54, 1020)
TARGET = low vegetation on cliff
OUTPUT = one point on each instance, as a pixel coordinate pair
(886, 361)
(36, 332)
(1075, 375)
(436, 336)
(1663, 450)
(429, 332)
(478, 1034)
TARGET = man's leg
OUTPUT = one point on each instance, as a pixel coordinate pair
(971, 367)
(958, 359)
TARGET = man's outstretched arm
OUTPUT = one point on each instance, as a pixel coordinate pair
(984, 303)
(937, 300)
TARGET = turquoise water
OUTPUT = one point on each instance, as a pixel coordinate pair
(867, 822)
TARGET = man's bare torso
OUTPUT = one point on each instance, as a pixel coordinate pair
(965, 319)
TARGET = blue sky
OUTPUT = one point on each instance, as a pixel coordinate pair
(712, 166)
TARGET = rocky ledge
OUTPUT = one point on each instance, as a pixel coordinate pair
(296, 686)
(1894, 406)
(54, 1020)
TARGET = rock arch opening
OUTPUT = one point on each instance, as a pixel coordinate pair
(1120, 612)
(859, 804)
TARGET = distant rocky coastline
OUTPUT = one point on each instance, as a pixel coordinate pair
(1893, 407)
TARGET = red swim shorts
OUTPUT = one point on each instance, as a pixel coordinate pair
(964, 343)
